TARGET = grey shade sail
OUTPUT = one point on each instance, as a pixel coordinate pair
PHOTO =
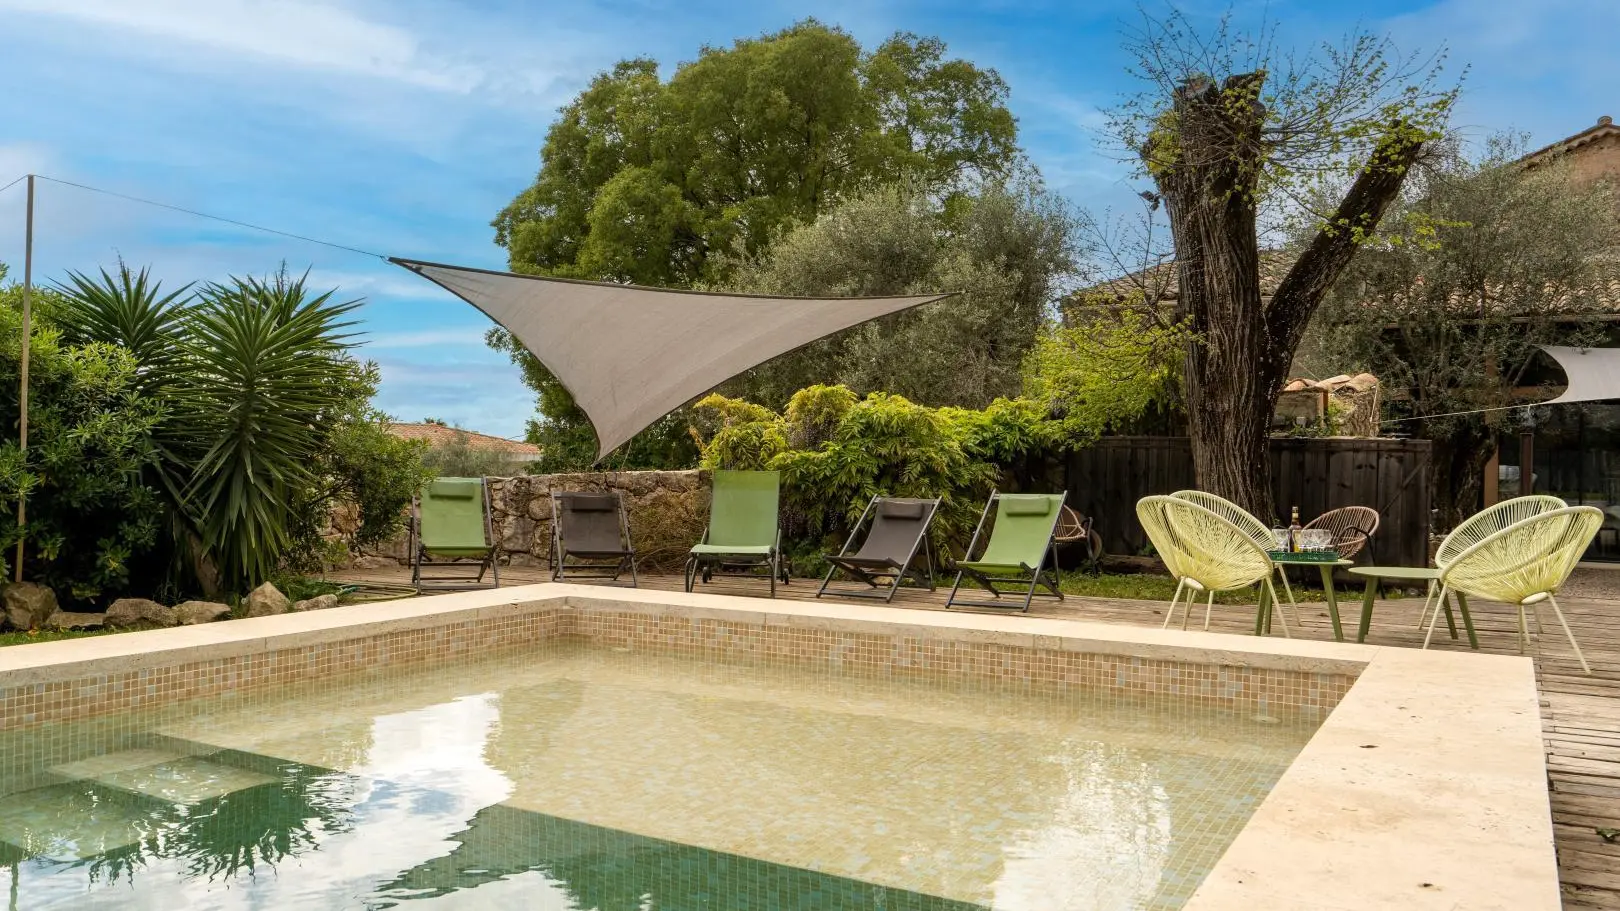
(630, 355)
(1594, 373)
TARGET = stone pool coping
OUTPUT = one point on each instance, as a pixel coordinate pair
(1424, 788)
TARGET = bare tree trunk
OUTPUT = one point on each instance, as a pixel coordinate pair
(1212, 220)
(1242, 350)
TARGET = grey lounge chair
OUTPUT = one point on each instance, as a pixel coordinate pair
(899, 530)
(590, 537)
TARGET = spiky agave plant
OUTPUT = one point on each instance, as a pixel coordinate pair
(256, 399)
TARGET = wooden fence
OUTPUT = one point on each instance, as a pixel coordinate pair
(1106, 479)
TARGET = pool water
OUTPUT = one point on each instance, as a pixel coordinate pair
(569, 777)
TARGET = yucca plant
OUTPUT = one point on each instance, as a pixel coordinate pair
(256, 398)
(131, 311)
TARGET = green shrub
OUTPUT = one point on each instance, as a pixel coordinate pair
(92, 521)
(836, 451)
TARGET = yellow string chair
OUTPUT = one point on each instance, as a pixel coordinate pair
(1477, 528)
(1206, 552)
(1524, 564)
(1351, 526)
(1246, 522)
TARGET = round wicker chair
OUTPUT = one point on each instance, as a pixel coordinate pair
(1524, 565)
(1246, 522)
(1480, 526)
(1206, 552)
(1351, 527)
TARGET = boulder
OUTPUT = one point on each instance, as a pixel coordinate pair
(319, 602)
(69, 620)
(126, 612)
(191, 613)
(29, 605)
(266, 601)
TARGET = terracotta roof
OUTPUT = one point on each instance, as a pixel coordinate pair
(1160, 280)
(440, 435)
(1604, 127)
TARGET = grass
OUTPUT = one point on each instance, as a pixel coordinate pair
(1153, 587)
(49, 635)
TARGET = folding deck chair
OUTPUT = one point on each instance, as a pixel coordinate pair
(899, 530)
(590, 537)
(450, 521)
(1019, 549)
(744, 529)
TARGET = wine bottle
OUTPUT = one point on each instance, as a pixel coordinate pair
(1294, 530)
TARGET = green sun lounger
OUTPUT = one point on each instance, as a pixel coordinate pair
(744, 530)
(450, 522)
(1019, 551)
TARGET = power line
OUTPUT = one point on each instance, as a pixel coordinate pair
(218, 218)
(13, 183)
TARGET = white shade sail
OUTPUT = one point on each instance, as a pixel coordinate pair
(1594, 373)
(630, 355)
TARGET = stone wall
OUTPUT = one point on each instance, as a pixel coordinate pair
(668, 512)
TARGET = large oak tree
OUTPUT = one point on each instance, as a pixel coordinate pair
(1232, 131)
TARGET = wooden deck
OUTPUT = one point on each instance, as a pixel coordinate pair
(1580, 715)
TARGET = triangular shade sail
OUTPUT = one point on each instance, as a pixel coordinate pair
(630, 355)
(1594, 373)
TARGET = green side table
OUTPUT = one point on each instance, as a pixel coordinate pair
(1262, 623)
(1376, 575)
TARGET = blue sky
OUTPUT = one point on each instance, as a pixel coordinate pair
(403, 126)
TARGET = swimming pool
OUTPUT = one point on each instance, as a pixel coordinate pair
(569, 748)
(575, 776)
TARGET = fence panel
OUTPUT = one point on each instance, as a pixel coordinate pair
(1106, 479)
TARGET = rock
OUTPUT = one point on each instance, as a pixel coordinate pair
(266, 601)
(127, 612)
(29, 605)
(69, 620)
(191, 613)
(319, 602)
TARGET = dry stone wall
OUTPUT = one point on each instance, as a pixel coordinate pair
(668, 512)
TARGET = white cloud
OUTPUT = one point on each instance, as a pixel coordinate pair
(19, 158)
(459, 337)
(298, 33)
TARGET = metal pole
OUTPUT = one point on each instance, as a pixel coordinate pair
(22, 395)
(1527, 463)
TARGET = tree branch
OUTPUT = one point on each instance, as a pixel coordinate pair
(1325, 257)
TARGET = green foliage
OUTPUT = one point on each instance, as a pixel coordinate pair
(130, 311)
(91, 519)
(642, 180)
(458, 459)
(676, 183)
(1105, 371)
(265, 421)
(1480, 262)
(359, 468)
(1007, 250)
(837, 451)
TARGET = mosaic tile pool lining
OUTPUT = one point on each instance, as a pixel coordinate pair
(967, 770)
(847, 652)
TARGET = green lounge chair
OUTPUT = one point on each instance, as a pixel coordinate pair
(450, 521)
(744, 530)
(590, 537)
(1019, 549)
(899, 530)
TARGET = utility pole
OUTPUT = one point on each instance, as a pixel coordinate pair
(22, 395)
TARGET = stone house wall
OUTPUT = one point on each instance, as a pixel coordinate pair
(668, 512)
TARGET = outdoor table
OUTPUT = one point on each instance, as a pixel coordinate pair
(1262, 620)
(1428, 575)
